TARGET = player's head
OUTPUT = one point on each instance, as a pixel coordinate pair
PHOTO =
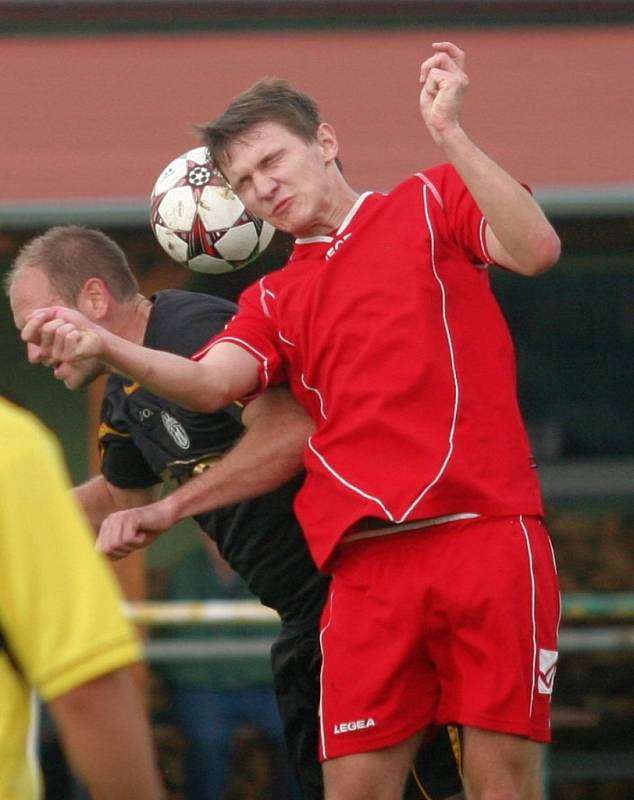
(75, 267)
(268, 100)
(278, 155)
(70, 255)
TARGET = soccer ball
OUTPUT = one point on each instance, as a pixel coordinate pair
(200, 222)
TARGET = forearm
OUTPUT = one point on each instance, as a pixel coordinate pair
(229, 481)
(188, 383)
(98, 499)
(107, 737)
(268, 455)
(528, 243)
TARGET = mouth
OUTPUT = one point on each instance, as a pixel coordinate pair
(282, 206)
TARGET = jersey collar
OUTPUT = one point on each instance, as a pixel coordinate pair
(341, 229)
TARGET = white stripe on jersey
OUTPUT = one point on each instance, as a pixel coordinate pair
(450, 439)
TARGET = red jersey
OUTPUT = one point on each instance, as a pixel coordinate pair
(390, 337)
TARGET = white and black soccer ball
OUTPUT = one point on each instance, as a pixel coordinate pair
(200, 222)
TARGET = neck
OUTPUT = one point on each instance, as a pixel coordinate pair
(342, 209)
(341, 198)
(133, 319)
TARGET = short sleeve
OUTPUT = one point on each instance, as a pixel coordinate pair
(254, 329)
(463, 221)
(122, 463)
(60, 608)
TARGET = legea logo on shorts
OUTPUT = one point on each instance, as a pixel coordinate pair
(547, 667)
(354, 725)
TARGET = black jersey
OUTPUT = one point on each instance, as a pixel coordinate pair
(145, 440)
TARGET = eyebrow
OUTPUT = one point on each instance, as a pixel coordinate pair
(262, 162)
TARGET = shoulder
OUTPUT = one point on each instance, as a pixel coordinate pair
(22, 435)
(441, 180)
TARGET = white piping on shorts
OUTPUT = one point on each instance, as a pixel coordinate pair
(534, 624)
(321, 674)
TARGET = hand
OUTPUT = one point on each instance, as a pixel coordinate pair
(123, 532)
(444, 84)
(63, 334)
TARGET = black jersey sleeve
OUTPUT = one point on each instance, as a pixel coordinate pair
(122, 463)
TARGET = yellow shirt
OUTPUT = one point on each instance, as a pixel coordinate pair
(60, 609)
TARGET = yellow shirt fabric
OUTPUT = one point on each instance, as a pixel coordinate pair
(60, 608)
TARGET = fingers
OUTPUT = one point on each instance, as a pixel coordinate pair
(60, 341)
(447, 57)
(119, 535)
(455, 53)
(31, 330)
(444, 84)
(61, 335)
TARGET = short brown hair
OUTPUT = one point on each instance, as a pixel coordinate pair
(70, 255)
(268, 100)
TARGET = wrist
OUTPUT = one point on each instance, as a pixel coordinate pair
(451, 138)
(108, 345)
(171, 509)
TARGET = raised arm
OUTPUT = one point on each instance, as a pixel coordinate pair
(518, 235)
(226, 373)
(268, 454)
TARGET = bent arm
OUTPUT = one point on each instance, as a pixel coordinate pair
(519, 236)
(114, 756)
(268, 455)
(226, 373)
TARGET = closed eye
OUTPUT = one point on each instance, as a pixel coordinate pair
(241, 184)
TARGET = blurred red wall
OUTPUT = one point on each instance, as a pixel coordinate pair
(99, 117)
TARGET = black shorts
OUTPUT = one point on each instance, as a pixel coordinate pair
(296, 663)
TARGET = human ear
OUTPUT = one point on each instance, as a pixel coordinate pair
(327, 141)
(93, 299)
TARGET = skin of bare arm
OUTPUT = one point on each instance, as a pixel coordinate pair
(226, 373)
(99, 498)
(269, 454)
(518, 236)
(114, 758)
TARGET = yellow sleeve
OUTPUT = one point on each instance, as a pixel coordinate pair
(59, 605)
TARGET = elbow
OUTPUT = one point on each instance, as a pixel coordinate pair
(545, 254)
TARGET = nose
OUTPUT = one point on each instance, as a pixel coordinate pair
(33, 353)
(264, 186)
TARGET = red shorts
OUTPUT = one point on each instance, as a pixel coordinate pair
(451, 623)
